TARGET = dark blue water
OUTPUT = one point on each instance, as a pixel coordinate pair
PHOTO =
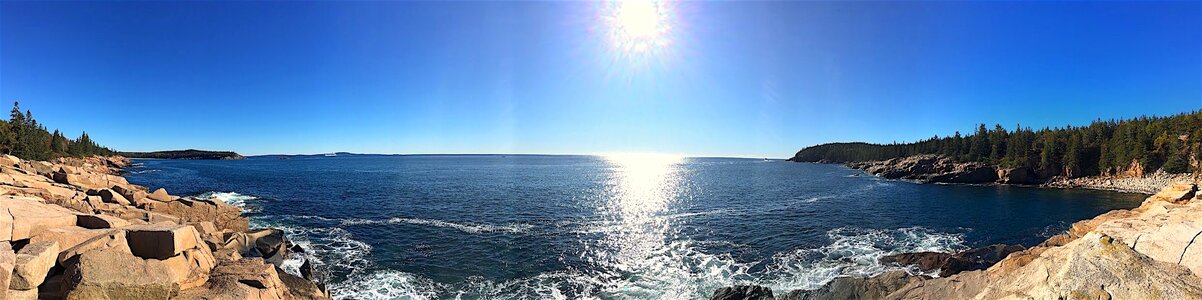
(390, 227)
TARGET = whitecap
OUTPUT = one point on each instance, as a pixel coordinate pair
(854, 252)
(232, 198)
(465, 227)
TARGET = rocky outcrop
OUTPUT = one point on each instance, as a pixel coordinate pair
(947, 264)
(929, 168)
(748, 292)
(876, 287)
(1149, 252)
(83, 232)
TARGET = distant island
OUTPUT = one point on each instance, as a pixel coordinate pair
(184, 154)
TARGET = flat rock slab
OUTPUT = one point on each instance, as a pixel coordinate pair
(161, 241)
(30, 216)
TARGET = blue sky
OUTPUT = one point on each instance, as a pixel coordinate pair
(758, 79)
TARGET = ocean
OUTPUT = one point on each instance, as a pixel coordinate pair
(607, 227)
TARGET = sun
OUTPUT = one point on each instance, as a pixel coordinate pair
(637, 27)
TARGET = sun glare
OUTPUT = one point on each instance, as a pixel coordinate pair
(638, 27)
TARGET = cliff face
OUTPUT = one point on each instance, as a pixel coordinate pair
(74, 229)
(929, 168)
(1150, 252)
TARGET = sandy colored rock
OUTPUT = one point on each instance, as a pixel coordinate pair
(100, 221)
(223, 216)
(113, 274)
(69, 237)
(1092, 267)
(33, 264)
(8, 261)
(111, 196)
(114, 239)
(22, 294)
(161, 241)
(249, 278)
(30, 216)
(161, 195)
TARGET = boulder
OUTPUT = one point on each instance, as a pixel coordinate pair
(250, 278)
(33, 264)
(266, 243)
(31, 217)
(69, 237)
(875, 287)
(161, 195)
(223, 216)
(110, 196)
(161, 241)
(743, 292)
(948, 264)
(300, 288)
(100, 221)
(191, 268)
(1177, 193)
(114, 274)
(8, 261)
(114, 239)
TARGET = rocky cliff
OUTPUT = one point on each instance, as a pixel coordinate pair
(929, 168)
(74, 229)
(1150, 252)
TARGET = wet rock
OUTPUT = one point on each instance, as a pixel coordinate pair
(948, 264)
(875, 287)
(743, 292)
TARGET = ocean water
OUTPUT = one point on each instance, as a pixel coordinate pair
(621, 227)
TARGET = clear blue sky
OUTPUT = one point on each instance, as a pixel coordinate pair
(757, 79)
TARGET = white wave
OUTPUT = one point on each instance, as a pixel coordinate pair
(465, 227)
(853, 252)
(385, 284)
(143, 171)
(232, 198)
(816, 199)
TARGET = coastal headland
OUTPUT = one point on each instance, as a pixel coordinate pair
(73, 228)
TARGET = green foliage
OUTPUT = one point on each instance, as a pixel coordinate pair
(23, 137)
(1102, 147)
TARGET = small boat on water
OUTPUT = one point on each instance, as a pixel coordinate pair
(331, 154)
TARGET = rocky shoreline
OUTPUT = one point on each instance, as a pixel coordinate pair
(1145, 252)
(931, 168)
(75, 229)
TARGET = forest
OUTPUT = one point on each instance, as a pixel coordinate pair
(22, 136)
(1104, 147)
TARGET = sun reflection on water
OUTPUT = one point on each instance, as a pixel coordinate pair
(639, 247)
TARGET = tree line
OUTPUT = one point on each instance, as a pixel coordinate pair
(22, 136)
(1104, 147)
